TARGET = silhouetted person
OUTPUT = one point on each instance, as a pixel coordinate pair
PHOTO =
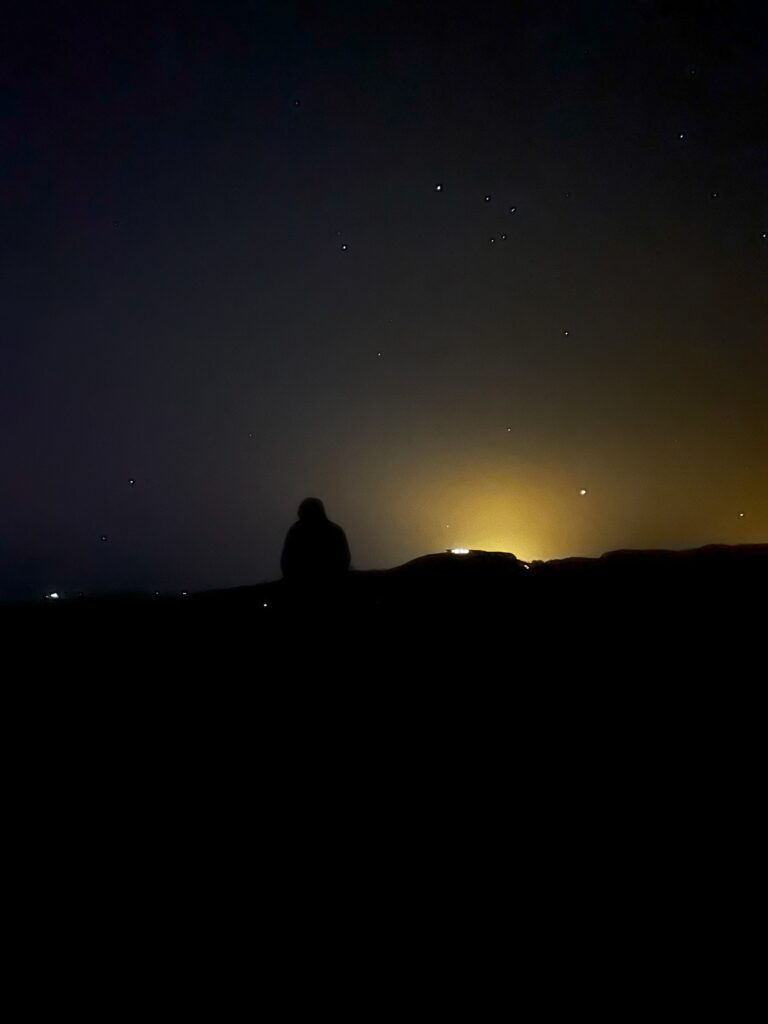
(315, 553)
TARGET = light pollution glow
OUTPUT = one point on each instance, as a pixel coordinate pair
(536, 512)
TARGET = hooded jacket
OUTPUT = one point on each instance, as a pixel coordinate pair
(315, 548)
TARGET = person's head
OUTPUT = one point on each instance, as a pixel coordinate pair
(311, 510)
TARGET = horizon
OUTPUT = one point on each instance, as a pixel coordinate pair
(75, 593)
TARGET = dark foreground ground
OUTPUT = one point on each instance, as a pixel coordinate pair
(461, 783)
(486, 612)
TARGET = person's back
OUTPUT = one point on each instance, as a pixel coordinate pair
(315, 550)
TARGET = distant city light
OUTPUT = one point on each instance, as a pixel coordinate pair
(54, 596)
(459, 551)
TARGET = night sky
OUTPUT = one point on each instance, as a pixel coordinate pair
(444, 266)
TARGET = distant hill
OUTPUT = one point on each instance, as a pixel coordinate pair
(673, 621)
(717, 574)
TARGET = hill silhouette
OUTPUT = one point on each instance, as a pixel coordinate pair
(643, 598)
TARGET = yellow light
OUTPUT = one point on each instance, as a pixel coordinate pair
(459, 551)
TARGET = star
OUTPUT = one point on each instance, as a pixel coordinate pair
(438, 187)
(297, 103)
(131, 481)
(512, 209)
(681, 135)
(764, 234)
(493, 240)
(583, 491)
(379, 354)
(503, 237)
(741, 515)
(344, 247)
(566, 333)
(715, 195)
(103, 537)
(487, 199)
